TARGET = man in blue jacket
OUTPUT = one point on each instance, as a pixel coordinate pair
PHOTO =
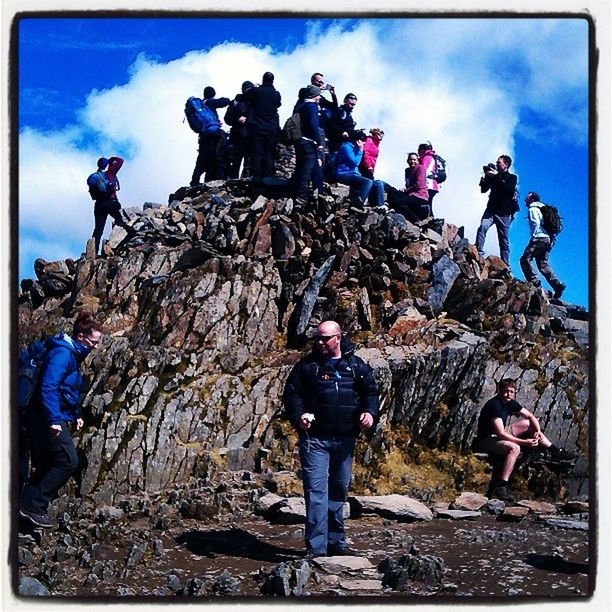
(329, 397)
(55, 407)
(309, 149)
(211, 144)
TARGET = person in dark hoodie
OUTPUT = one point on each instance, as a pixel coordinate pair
(330, 395)
(309, 149)
(237, 116)
(264, 101)
(53, 411)
(211, 143)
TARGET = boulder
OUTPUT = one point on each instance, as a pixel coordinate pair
(399, 507)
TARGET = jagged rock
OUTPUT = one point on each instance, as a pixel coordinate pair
(469, 501)
(495, 506)
(265, 502)
(423, 568)
(136, 554)
(445, 272)
(225, 584)
(286, 579)
(399, 507)
(31, 587)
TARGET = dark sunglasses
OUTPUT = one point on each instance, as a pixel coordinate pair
(325, 338)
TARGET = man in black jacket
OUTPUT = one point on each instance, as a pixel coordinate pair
(501, 207)
(329, 397)
(264, 101)
(237, 116)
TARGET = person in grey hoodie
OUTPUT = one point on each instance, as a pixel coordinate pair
(539, 247)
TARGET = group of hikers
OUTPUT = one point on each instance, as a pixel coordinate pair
(331, 393)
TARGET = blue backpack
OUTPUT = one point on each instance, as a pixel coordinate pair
(30, 364)
(99, 185)
(200, 117)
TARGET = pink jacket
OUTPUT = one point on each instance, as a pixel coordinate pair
(114, 165)
(370, 154)
(428, 160)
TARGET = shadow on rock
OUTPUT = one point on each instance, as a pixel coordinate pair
(233, 543)
(555, 563)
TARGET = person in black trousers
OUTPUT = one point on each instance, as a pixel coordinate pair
(264, 101)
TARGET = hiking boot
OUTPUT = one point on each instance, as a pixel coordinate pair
(558, 454)
(559, 291)
(40, 520)
(502, 492)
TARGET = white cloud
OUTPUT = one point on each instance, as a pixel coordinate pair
(417, 79)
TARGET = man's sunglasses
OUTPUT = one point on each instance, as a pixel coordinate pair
(325, 338)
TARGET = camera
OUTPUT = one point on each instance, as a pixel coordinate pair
(489, 167)
(308, 417)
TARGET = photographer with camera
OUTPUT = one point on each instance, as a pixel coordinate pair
(329, 397)
(501, 207)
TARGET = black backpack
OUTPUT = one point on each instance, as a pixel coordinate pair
(440, 173)
(30, 364)
(551, 220)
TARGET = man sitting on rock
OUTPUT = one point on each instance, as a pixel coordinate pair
(330, 395)
(498, 437)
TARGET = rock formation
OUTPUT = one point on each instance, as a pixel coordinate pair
(209, 306)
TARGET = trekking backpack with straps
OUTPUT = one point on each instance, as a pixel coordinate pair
(99, 185)
(201, 118)
(30, 364)
(440, 173)
(292, 130)
(551, 220)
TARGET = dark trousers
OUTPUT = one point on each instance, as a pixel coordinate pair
(305, 162)
(538, 249)
(211, 158)
(54, 460)
(408, 205)
(237, 151)
(326, 474)
(432, 193)
(102, 209)
(263, 141)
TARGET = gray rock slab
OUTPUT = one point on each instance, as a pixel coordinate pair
(470, 515)
(561, 523)
(395, 506)
(537, 507)
(265, 502)
(513, 514)
(342, 563)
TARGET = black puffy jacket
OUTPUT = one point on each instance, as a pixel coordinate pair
(335, 394)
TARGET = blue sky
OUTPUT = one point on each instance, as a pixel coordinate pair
(91, 87)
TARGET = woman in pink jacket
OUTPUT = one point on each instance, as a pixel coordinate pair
(427, 158)
(370, 153)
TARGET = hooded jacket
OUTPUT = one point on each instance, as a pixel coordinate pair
(336, 394)
(428, 160)
(348, 160)
(536, 221)
(60, 379)
(370, 153)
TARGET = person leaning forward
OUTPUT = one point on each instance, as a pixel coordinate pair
(330, 395)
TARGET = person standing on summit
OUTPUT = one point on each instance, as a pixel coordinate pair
(103, 186)
(501, 206)
(211, 142)
(264, 102)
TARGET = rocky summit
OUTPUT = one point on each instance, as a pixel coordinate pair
(209, 306)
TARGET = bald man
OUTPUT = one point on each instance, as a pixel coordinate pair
(330, 396)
